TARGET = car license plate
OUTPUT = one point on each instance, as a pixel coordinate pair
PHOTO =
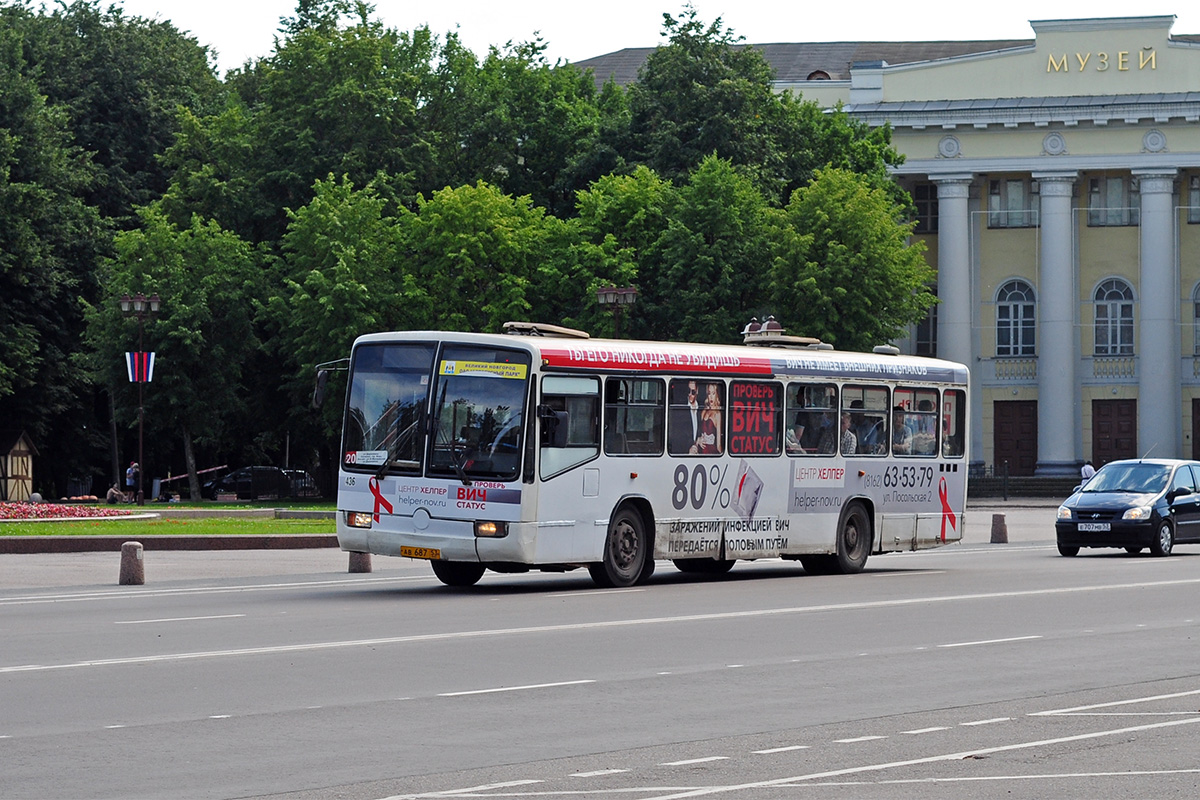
(1094, 526)
(421, 552)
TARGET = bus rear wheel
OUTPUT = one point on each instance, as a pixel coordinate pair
(854, 540)
(457, 573)
(627, 557)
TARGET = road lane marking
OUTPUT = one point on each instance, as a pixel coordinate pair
(600, 592)
(1113, 703)
(596, 773)
(817, 776)
(926, 730)
(175, 619)
(514, 688)
(782, 749)
(125, 594)
(688, 761)
(985, 722)
(990, 641)
(858, 739)
(598, 625)
(1052, 776)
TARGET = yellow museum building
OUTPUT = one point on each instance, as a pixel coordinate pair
(1057, 181)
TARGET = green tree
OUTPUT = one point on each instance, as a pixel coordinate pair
(701, 94)
(204, 338)
(708, 268)
(704, 93)
(121, 81)
(845, 269)
(341, 275)
(49, 239)
(485, 257)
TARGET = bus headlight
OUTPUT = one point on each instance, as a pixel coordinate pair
(491, 530)
(358, 519)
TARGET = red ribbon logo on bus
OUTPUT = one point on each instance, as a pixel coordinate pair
(947, 511)
(380, 500)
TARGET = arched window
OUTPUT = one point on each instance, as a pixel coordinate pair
(1196, 318)
(1015, 321)
(1114, 318)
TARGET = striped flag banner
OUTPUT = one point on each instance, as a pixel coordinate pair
(140, 367)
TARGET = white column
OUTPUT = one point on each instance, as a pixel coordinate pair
(1057, 338)
(954, 269)
(1157, 344)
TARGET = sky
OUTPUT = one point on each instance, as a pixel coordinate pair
(245, 29)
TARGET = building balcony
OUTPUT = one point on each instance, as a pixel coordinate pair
(1114, 368)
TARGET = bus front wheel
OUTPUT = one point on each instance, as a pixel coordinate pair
(627, 558)
(854, 540)
(457, 573)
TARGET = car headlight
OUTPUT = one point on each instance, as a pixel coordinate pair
(1137, 512)
(1064, 512)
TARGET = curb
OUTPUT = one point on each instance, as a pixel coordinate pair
(26, 545)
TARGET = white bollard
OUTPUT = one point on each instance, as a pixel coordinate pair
(133, 571)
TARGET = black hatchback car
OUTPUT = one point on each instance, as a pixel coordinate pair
(1133, 504)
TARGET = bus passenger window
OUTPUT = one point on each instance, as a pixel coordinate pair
(634, 414)
(869, 416)
(568, 421)
(954, 423)
(915, 425)
(810, 413)
(755, 418)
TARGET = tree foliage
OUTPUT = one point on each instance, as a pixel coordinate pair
(360, 178)
(845, 270)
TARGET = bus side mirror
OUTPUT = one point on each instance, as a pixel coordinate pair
(318, 398)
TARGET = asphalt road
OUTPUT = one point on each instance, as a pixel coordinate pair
(975, 671)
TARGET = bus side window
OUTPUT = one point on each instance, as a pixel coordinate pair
(755, 418)
(568, 423)
(954, 411)
(634, 415)
(812, 428)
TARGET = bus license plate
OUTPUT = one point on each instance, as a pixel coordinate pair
(1094, 526)
(421, 552)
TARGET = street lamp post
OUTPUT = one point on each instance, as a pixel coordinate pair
(140, 307)
(616, 299)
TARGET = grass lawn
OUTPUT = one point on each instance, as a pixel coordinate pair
(191, 526)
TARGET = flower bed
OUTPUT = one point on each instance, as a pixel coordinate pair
(57, 511)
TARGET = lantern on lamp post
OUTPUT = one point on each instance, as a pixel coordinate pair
(615, 299)
(140, 366)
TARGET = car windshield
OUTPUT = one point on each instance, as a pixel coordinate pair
(1133, 478)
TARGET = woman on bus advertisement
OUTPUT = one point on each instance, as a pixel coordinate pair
(709, 440)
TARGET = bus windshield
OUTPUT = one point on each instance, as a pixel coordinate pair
(389, 390)
(478, 413)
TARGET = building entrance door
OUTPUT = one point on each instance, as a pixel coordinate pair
(1196, 428)
(1014, 437)
(1114, 431)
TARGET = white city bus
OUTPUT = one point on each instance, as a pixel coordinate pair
(542, 448)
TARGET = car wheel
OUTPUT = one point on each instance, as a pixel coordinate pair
(1164, 541)
(1068, 550)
